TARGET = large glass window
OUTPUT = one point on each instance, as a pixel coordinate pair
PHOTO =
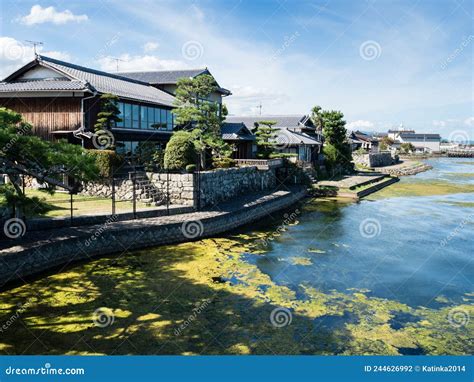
(135, 117)
(121, 115)
(151, 117)
(163, 119)
(145, 117)
(127, 116)
(169, 120)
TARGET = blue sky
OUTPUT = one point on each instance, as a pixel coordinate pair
(381, 63)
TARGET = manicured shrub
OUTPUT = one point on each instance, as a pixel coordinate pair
(180, 151)
(223, 162)
(106, 161)
(190, 168)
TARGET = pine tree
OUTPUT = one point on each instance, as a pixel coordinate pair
(109, 113)
(266, 139)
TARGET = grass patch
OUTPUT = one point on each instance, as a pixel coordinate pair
(59, 204)
(423, 188)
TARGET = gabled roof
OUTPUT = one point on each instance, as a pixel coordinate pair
(169, 77)
(286, 136)
(362, 136)
(236, 131)
(291, 121)
(41, 85)
(91, 79)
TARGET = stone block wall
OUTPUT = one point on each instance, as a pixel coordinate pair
(215, 186)
(224, 184)
(374, 159)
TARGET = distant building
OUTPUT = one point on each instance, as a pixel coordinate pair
(360, 140)
(296, 135)
(422, 142)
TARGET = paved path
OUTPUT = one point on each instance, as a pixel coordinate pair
(37, 238)
(348, 181)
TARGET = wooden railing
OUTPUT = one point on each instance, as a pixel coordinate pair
(262, 164)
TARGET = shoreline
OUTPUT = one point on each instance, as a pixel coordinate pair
(34, 255)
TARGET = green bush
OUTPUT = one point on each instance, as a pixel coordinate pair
(223, 162)
(106, 161)
(190, 168)
(180, 151)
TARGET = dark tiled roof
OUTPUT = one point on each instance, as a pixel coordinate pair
(282, 120)
(236, 131)
(102, 82)
(41, 85)
(163, 76)
(286, 136)
(168, 77)
(401, 131)
(408, 136)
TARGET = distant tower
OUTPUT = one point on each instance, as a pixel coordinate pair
(260, 108)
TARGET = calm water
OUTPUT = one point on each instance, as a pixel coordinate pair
(410, 249)
(392, 274)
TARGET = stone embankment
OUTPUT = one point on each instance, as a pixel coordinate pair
(43, 250)
(404, 169)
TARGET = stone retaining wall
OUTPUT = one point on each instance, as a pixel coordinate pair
(374, 159)
(75, 244)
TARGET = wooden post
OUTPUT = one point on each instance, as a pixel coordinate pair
(167, 191)
(70, 195)
(134, 195)
(113, 195)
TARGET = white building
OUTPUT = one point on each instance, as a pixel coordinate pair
(423, 142)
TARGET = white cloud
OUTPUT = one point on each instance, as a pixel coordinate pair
(14, 54)
(439, 123)
(40, 15)
(360, 124)
(137, 63)
(150, 46)
(469, 121)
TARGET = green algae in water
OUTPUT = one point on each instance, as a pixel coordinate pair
(300, 261)
(421, 188)
(149, 304)
(316, 250)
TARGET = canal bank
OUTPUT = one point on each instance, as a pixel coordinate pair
(34, 254)
(373, 277)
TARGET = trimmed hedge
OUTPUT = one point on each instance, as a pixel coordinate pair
(106, 161)
(180, 151)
